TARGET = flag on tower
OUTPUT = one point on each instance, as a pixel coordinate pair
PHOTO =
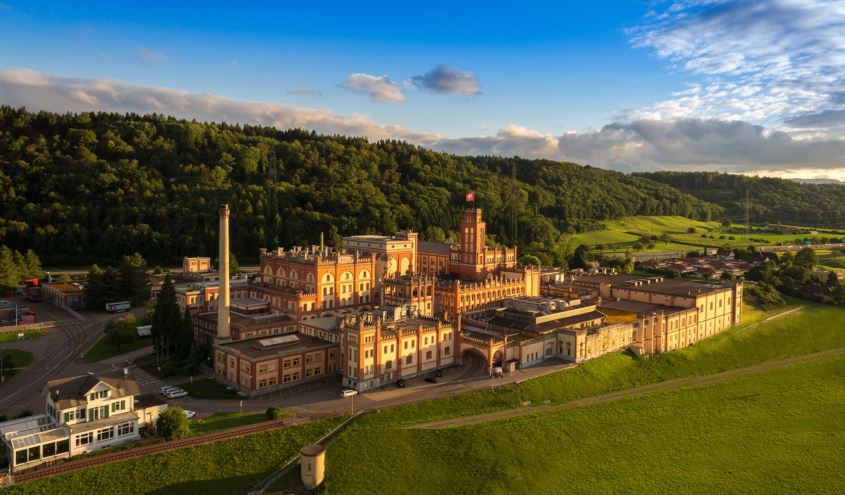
(470, 197)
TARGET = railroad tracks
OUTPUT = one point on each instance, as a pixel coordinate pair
(133, 453)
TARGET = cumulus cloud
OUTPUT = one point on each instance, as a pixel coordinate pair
(640, 144)
(22, 87)
(380, 88)
(445, 79)
(764, 61)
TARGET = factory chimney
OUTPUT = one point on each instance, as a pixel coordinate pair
(223, 331)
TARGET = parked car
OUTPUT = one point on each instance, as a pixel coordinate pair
(175, 393)
(167, 388)
(190, 414)
(401, 383)
(348, 393)
(431, 379)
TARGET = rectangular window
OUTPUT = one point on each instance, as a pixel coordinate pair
(125, 429)
(428, 355)
(105, 434)
(84, 439)
(67, 417)
(409, 359)
(446, 350)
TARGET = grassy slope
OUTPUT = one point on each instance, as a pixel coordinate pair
(221, 468)
(222, 421)
(22, 360)
(102, 351)
(621, 234)
(816, 327)
(777, 432)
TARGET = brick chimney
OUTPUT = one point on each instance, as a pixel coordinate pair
(223, 331)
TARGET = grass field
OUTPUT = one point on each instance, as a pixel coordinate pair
(209, 389)
(21, 360)
(620, 235)
(101, 350)
(223, 468)
(777, 432)
(13, 336)
(816, 327)
(223, 421)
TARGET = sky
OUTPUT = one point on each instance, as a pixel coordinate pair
(754, 87)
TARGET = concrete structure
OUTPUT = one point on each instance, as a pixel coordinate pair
(223, 331)
(393, 342)
(312, 465)
(64, 294)
(203, 296)
(83, 414)
(415, 290)
(396, 255)
(197, 264)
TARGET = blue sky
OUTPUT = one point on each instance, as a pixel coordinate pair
(628, 84)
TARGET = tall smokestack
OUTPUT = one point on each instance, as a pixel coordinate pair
(223, 331)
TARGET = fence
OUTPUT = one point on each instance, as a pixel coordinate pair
(41, 325)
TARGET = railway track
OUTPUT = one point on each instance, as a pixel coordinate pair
(133, 453)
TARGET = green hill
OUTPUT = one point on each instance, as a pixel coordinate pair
(80, 188)
(770, 200)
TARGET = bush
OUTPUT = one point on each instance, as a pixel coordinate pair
(274, 412)
(172, 424)
(24, 414)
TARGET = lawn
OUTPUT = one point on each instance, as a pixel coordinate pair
(782, 431)
(222, 421)
(224, 467)
(209, 389)
(101, 350)
(621, 234)
(27, 335)
(816, 327)
(21, 360)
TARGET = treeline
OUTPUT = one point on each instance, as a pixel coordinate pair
(91, 187)
(795, 275)
(770, 200)
(126, 282)
(15, 266)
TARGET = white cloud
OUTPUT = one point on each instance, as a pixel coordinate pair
(380, 88)
(19, 87)
(445, 79)
(641, 144)
(763, 61)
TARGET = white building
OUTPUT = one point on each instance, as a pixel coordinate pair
(83, 413)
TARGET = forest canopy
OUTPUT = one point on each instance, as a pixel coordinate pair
(93, 187)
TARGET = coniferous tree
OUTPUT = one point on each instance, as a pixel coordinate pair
(33, 265)
(186, 337)
(167, 322)
(9, 276)
(134, 284)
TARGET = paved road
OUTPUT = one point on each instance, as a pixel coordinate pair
(53, 356)
(631, 392)
(325, 401)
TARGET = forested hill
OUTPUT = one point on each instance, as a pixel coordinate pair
(770, 200)
(80, 188)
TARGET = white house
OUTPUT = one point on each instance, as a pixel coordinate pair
(83, 413)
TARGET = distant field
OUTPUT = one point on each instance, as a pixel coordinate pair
(777, 432)
(620, 235)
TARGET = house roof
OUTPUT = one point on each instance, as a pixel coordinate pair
(428, 247)
(68, 392)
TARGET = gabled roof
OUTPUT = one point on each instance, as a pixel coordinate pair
(68, 392)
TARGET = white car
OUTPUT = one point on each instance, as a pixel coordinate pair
(175, 393)
(167, 389)
(189, 414)
(348, 393)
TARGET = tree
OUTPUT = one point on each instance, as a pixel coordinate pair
(582, 257)
(832, 279)
(186, 337)
(172, 424)
(234, 266)
(806, 257)
(134, 284)
(33, 265)
(103, 287)
(121, 333)
(167, 322)
(274, 412)
(9, 276)
(529, 260)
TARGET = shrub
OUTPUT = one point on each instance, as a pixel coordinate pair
(274, 412)
(172, 424)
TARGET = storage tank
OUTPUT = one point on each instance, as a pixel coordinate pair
(312, 465)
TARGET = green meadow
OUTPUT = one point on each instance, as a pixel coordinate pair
(782, 431)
